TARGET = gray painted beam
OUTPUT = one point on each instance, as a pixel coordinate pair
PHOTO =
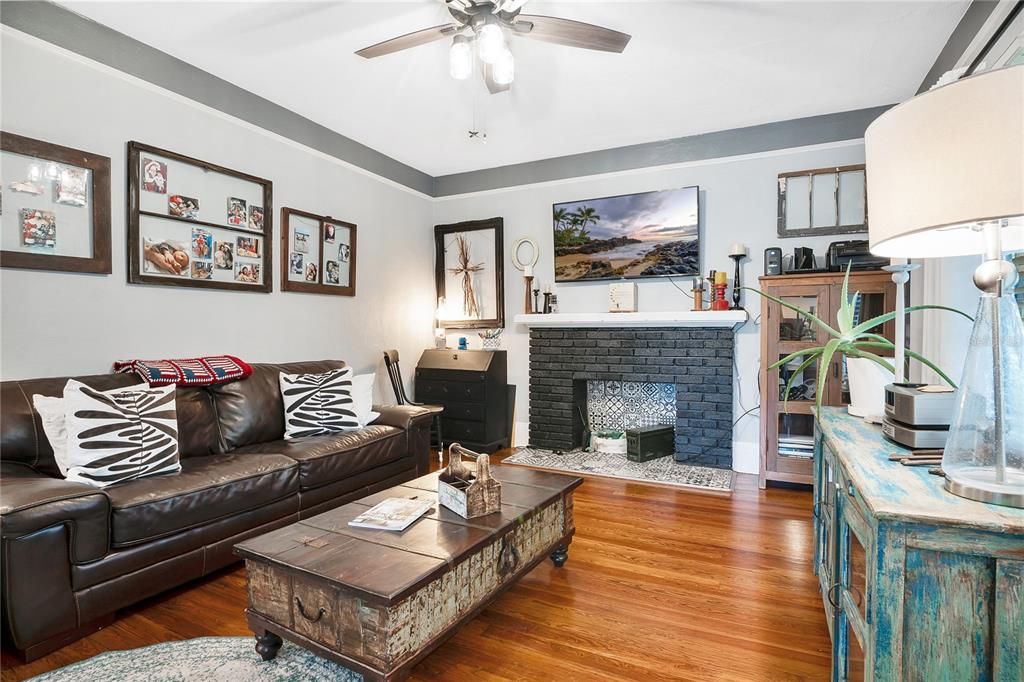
(799, 132)
(970, 24)
(93, 40)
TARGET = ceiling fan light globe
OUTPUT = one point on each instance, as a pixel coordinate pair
(490, 42)
(460, 58)
(504, 68)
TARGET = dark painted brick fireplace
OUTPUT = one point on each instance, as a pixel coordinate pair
(697, 361)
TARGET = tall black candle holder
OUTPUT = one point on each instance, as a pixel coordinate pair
(737, 257)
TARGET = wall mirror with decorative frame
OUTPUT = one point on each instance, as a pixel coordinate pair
(823, 201)
(469, 274)
(54, 207)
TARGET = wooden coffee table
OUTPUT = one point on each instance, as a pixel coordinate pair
(378, 601)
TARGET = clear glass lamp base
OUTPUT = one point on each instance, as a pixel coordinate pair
(984, 455)
(979, 483)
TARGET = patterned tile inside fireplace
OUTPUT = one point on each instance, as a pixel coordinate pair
(630, 404)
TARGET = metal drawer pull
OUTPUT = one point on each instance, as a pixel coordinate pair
(852, 589)
(828, 596)
(816, 510)
(312, 619)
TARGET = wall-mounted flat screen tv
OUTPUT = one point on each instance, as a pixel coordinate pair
(651, 234)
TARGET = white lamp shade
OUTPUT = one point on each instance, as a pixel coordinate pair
(942, 162)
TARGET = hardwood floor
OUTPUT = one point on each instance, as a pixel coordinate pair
(661, 584)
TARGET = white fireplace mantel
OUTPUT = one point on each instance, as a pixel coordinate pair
(687, 318)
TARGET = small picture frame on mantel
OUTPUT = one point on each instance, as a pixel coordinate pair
(318, 254)
(54, 207)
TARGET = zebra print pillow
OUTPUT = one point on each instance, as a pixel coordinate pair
(120, 435)
(318, 404)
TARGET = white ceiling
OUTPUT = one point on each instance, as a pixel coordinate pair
(691, 67)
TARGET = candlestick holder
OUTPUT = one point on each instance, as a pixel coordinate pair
(536, 300)
(528, 304)
(736, 285)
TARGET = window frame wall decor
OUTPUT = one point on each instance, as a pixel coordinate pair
(320, 286)
(96, 191)
(785, 198)
(497, 303)
(233, 184)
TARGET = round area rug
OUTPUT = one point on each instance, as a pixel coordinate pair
(205, 659)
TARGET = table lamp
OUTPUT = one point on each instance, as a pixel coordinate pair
(945, 177)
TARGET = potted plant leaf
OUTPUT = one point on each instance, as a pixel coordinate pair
(868, 371)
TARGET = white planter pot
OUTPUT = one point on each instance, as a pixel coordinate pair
(867, 388)
(610, 446)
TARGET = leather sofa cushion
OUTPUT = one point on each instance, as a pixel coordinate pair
(206, 489)
(22, 439)
(326, 459)
(198, 431)
(251, 410)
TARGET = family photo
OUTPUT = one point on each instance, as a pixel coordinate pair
(248, 247)
(183, 207)
(154, 176)
(223, 256)
(236, 212)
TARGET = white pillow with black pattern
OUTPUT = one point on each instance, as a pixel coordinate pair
(120, 435)
(318, 404)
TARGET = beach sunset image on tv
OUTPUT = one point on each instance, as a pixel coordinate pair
(650, 234)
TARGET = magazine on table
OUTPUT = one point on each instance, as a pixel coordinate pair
(394, 513)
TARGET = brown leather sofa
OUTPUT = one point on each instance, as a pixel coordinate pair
(74, 554)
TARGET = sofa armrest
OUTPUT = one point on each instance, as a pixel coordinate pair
(415, 421)
(30, 501)
(406, 416)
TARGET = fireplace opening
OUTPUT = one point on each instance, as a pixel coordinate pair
(621, 405)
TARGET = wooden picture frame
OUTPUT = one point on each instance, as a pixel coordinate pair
(136, 270)
(322, 285)
(494, 289)
(99, 262)
(789, 199)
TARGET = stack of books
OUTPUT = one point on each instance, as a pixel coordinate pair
(796, 446)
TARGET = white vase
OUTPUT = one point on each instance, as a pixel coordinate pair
(867, 388)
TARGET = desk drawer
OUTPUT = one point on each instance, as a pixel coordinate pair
(475, 412)
(458, 429)
(449, 391)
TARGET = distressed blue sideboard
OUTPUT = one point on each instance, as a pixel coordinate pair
(917, 584)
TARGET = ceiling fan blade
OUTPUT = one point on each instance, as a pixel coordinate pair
(509, 5)
(572, 33)
(414, 39)
(493, 86)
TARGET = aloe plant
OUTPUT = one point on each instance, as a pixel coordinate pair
(852, 340)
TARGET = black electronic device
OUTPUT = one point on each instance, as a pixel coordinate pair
(853, 253)
(773, 261)
(803, 259)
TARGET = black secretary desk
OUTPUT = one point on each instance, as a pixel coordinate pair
(472, 386)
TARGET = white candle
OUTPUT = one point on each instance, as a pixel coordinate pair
(738, 250)
(528, 271)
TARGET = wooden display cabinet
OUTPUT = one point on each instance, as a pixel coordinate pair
(784, 332)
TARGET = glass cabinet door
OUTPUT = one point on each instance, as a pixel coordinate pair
(789, 420)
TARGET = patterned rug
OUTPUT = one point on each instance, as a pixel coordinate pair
(662, 470)
(206, 659)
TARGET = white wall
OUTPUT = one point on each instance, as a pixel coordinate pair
(737, 203)
(55, 324)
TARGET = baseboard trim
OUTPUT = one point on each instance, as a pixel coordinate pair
(746, 457)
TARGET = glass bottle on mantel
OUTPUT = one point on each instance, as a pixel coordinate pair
(554, 303)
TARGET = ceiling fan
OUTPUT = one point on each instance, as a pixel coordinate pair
(486, 22)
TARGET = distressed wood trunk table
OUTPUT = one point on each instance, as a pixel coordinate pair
(379, 601)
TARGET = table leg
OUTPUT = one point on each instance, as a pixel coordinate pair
(267, 645)
(559, 556)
